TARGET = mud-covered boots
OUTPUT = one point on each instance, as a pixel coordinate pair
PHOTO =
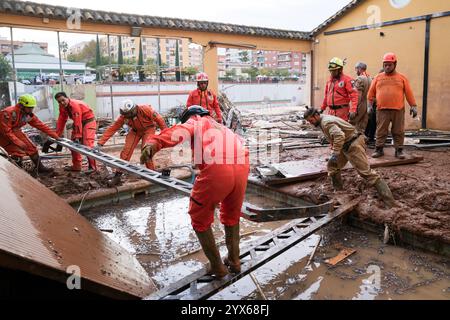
(378, 152)
(233, 261)
(385, 193)
(336, 181)
(208, 243)
(399, 153)
(38, 164)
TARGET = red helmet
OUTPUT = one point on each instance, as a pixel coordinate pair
(201, 77)
(390, 57)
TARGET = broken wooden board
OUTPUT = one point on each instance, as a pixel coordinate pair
(344, 254)
(41, 235)
(303, 170)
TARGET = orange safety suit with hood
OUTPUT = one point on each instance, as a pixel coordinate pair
(340, 97)
(142, 126)
(206, 99)
(224, 167)
(12, 139)
(84, 128)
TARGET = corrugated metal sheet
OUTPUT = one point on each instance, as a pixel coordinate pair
(41, 234)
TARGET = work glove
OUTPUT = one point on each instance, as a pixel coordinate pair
(77, 140)
(321, 111)
(97, 148)
(413, 111)
(352, 115)
(323, 140)
(147, 153)
(333, 161)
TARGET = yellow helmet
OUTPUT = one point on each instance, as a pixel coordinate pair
(28, 101)
(335, 64)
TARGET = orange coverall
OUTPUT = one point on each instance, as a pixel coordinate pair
(340, 97)
(206, 99)
(224, 167)
(143, 125)
(12, 139)
(84, 128)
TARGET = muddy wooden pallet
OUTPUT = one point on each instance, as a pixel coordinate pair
(200, 286)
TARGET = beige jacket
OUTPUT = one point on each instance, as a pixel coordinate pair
(337, 131)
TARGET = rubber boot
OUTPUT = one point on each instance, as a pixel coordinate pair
(337, 182)
(209, 247)
(385, 193)
(233, 261)
(378, 152)
(399, 153)
(38, 164)
(114, 181)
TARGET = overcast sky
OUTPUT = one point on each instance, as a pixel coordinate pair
(300, 15)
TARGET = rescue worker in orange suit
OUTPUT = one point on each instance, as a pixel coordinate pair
(341, 99)
(84, 127)
(390, 89)
(204, 97)
(224, 167)
(13, 140)
(142, 121)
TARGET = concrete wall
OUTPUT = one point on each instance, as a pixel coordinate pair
(406, 40)
(173, 95)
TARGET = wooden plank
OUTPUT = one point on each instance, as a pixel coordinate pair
(344, 254)
(42, 235)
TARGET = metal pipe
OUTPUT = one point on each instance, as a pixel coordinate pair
(61, 72)
(426, 65)
(110, 84)
(14, 66)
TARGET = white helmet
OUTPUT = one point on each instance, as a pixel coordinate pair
(127, 107)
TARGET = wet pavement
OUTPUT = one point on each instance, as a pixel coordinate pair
(157, 230)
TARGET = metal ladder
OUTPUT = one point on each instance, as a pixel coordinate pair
(199, 285)
(248, 211)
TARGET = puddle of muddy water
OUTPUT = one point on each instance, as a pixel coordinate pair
(374, 272)
(157, 230)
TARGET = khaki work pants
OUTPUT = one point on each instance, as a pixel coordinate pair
(356, 155)
(384, 118)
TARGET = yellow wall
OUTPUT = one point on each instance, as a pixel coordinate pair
(406, 40)
(438, 115)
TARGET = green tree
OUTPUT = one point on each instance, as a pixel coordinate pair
(5, 69)
(150, 67)
(141, 62)
(64, 48)
(252, 72)
(190, 71)
(177, 62)
(244, 56)
(120, 57)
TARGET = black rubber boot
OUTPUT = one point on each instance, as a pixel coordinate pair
(209, 247)
(38, 164)
(399, 153)
(378, 152)
(233, 261)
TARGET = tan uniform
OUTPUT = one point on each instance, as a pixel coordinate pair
(339, 133)
(362, 84)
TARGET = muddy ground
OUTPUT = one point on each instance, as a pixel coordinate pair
(422, 193)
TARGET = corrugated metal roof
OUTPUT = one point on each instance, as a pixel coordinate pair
(336, 16)
(58, 12)
(43, 235)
